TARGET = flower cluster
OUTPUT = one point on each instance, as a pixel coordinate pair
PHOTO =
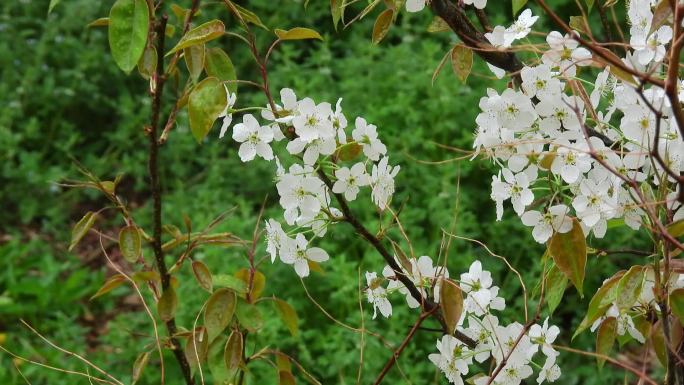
(512, 346)
(316, 137)
(578, 150)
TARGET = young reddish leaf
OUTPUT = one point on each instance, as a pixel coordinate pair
(661, 14)
(288, 315)
(297, 33)
(206, 102)
(232, 353)
(128, 27)
(569, 252)
(202, 275)
(112, 283)
(451, 302)
(605, 338)
(197, 347)
(81, 228)
(382, 25)
(219, 311)
(139, 366)
(285, 378)
(283, 362)
(629, 287)
(249, 316)
(601, 301)
(194, 60)
(461, 61)
(199, 35)
(245, 15)
(130, 243)
(556, 282)
(258, 282)
(218, 64)
(349, 151)
(166, 307)
(677, 303)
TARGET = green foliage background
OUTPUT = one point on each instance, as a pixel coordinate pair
(62, 99)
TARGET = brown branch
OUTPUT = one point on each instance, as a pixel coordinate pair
(155, 185)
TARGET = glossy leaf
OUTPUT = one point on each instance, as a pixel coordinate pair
(462, 61)
(199, 35)
(229, 281)
(677, 303)
(166, 307)
(601, 301)
(202, 275)
(258, 282)
(194, 60)
(297, 33)
(556, 283)
(382, 25)
(112, 283)
(219, 311)
(197, 347)
(605, 338)
(249, 316)
(130, 243)
(517, 5)
(128, 27)
(629, 287)
(139, 365)
(218, 64)
(451, 303)
(569, 253)
(232, 354)
(81, 228)
(206, 102)
(288, 315)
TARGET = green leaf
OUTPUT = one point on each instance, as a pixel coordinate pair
(53, 4)
(194, 60)
(258, 282)
(139, 366)
(676, 229)
(382, 25)
(245, 15)
(297, 33)
(629, 288)
(230, 282)
(217, 364)
(128, 27)
(337, 11)
(451, 302)
(605, 338)
(197, 347)
(288, 315)
(101, 22)
(202, 275)
(601, 301)
(590, 4)
(130, 243)
(283, 362)
(219, 311)
(199, 35)
(677, 303)
(249, 316)
(112, 283)
(556, 282)
(517, 6)
(285, 378)
(218, 64)
(438, 25)
(578, 24)
(81, 228)
(147, 64)
(232, 354)
(166, 307)
(206, 102)
(461, 61)
(569, 252)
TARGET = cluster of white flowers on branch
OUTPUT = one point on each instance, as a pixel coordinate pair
(512, 346)
(317, 139)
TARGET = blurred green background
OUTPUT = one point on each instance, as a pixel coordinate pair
(62, 100)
